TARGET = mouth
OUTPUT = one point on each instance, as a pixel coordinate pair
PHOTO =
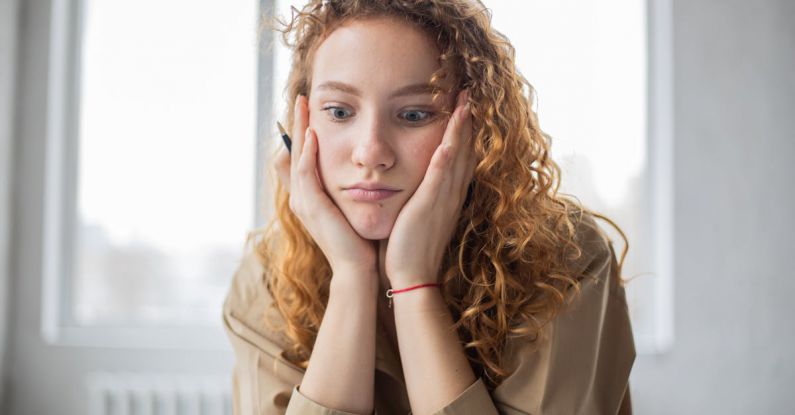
(367, 195)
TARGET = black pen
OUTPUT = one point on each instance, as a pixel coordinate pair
(285, 137)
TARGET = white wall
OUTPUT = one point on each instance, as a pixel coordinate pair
(734, 129)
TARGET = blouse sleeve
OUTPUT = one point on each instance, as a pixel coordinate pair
(583, 362)
(263, 381)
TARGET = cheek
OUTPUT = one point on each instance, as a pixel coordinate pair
(328, 157)
(422, 150)
(421, 155)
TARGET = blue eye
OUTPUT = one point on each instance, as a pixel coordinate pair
(337, 114)
(417, 116)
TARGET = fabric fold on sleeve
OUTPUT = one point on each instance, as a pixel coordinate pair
(301, 404)
(475, 400)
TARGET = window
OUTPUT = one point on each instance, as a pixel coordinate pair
(588, 64)
(158, 167)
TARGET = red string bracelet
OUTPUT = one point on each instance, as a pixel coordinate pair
(390, 292)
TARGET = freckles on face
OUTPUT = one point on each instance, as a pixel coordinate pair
(419, 152)
(406, 162)
(366, 132)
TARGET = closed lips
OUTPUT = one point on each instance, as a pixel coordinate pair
(372, 186)
(367, 195)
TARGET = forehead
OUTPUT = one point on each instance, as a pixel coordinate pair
(375, 53)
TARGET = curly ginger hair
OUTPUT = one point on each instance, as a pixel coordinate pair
(507, 270)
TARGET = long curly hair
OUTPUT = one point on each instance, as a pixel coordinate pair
(507, 270)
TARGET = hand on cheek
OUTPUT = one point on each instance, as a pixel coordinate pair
(349, 255)
(426, 222)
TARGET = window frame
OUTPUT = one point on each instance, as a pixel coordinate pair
(660, 145)
(59, 220)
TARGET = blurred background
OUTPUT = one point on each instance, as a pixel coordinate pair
(133, 137)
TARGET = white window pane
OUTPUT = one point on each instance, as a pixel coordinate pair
(166, 158)
(587, 62)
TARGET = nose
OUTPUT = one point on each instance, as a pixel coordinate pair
(373, 145)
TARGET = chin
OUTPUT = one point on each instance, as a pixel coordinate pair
(371, 221)
(373, 234)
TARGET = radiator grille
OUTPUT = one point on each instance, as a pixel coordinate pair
(158, 394)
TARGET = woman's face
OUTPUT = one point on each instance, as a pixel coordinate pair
(371, 127)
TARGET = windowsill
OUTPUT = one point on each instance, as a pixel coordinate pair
(205, 338)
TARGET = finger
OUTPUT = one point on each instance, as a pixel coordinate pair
(433, 182)
(455, 136)
(308, 165)
(454, 124)
(469, 177)
(439, 178)
(300, 122)
(465, 152)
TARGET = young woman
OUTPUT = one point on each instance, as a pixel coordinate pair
(421, 259)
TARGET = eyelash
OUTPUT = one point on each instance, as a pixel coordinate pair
(429, 115)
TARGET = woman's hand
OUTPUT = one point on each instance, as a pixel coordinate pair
(426, 222)
(346, 251)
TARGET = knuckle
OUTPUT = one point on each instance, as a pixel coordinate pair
(442, 161)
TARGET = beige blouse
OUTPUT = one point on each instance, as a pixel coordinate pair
(582, 365)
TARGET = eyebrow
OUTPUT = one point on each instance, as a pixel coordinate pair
(413, 89)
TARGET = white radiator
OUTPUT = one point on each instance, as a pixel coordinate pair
(156, 394)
